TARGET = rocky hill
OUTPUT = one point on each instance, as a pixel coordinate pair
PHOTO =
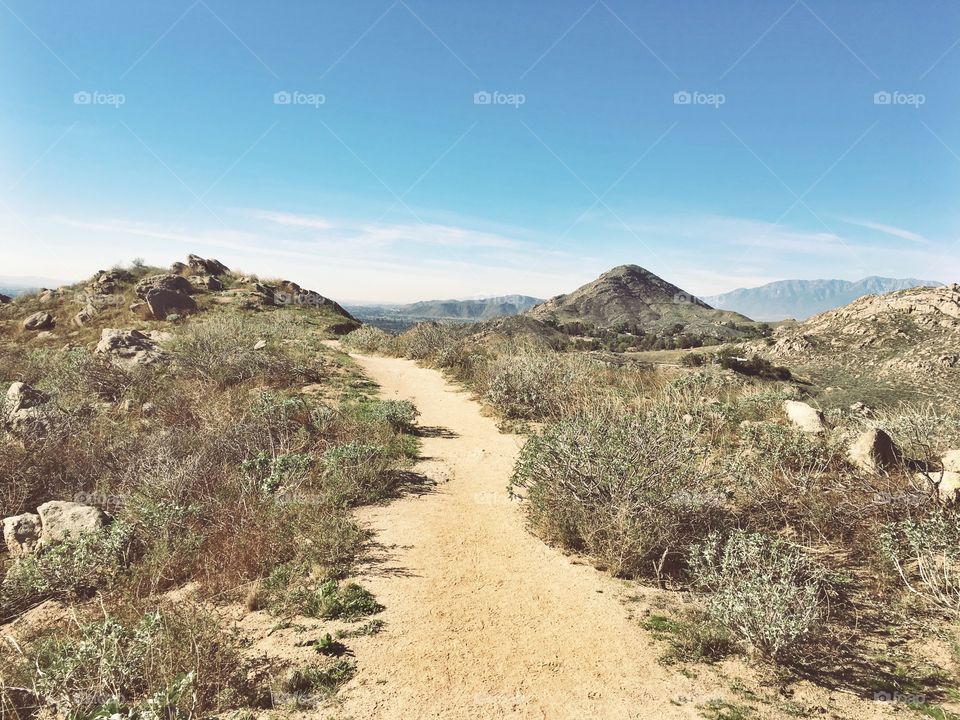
(146, 298)
(799, 299)
(632, 299)
(907, 340)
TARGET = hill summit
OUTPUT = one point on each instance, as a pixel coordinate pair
(633, 299)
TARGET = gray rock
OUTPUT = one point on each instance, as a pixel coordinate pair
(21, 533)
(60, 520)
(4, 299)
(38, 321)
(171, 283)
(206, 282)
(128, 346)
(202, 266)
(21, 396)
(169, 302)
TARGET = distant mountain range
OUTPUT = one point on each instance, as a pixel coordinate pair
(801, 299)
(459, 310)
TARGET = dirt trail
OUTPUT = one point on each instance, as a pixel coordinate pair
(484, 620)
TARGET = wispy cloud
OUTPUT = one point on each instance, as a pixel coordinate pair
(888, 230)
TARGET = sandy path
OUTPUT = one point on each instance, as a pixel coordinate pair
(484, 620)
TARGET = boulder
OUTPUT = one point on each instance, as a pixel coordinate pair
(202, 266)
(951, 461)
(38, 321)
(206, 282)
(874, 451)
(60, 519)
(804, 416)
(169, 302)
(4, 299)
(128, 346)
(178, 268)
(21, 533)
(171, 283)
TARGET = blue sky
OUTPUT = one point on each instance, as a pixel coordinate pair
(351, 146)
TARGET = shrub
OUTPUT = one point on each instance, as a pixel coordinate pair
(269, 473)
(370, 339)
(304, 686)
(356, 472)
(221, 350)
(426, 340)
(289, 589)
(72, 568)
(401, 415)
(764, 590)
(926, 555)
(628, 489)
(176, 659)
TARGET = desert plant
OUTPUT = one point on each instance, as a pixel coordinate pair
(767, 592)
(370, 339)
(73, 567)
(171, 659)
(623, 487)
(401, 415)
(926, 555)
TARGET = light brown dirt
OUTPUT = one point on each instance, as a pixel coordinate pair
(483, 619)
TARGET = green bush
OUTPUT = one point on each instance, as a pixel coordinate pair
(765, 591)
(401, 415)
(926, 555)
(72, 568)
(175, 661)
(370, 339)
(628, 489)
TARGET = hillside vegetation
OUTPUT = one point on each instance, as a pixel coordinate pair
(179, 448)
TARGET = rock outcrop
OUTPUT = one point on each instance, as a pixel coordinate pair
(128, 346)
(202, 266)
